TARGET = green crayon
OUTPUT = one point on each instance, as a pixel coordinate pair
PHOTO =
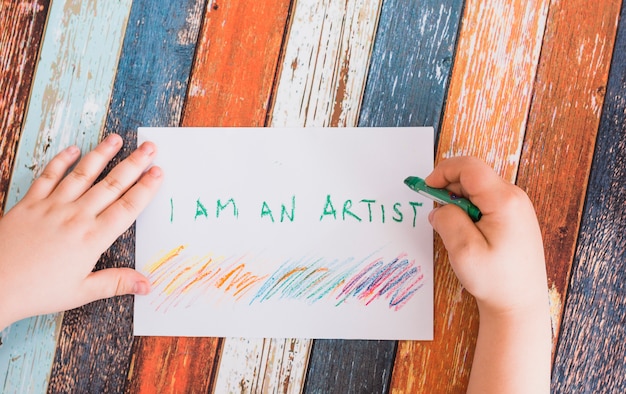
(443, 196)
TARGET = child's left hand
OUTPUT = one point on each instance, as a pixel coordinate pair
(51, 240)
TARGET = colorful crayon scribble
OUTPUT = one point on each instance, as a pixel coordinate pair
(180, 280)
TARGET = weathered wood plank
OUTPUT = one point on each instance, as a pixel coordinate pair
(321, 82)
(262, 366)
(94, 350)
(411, 63)
(67, 105)
(219, 95)
(408, 77)
(350, 366)
(172, 365)
(236, 62)
(485, 116)
(590, 356)
(562, 128)
(21, 30)
(325, 63)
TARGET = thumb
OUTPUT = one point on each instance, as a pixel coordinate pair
(462, 239)
(112, 282)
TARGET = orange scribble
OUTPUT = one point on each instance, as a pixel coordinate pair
(224, 278)
(173, 283)
(293, 271)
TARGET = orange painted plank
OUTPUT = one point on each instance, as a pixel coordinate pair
(236, 63)
(562, 129)
(485, 116)
(21, 29)
(231, 84)
(172, 365)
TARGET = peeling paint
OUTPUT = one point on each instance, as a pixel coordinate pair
(556, 309)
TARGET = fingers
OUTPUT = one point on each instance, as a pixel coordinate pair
(457, 231)
(53, 173)
(119, 180)
(469, 177)
(82, 177)
(112, 282)
(122, 213)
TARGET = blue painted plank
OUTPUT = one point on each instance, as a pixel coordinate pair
(591, 353)
(411, 63)
(96, 340)
(407, 83)
(71, 90)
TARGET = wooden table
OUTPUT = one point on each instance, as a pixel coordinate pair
(537, 88)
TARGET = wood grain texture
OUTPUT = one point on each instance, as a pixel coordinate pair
(321, 81)
(485, 116)
(350, 366)
(21, 30)
(236, 62)
(411, 63)
(262, 366)
(221, 93)
(591, 351)
(325, 65)
(409, 73)
(70, 92)
(94, 350)
(562, 127)
(168, 365)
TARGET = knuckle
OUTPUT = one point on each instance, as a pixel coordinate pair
(515, 199)
(128, 205)
(113, 184)
(136, 160)
(48, 174)
(120, 287)
(80, 175)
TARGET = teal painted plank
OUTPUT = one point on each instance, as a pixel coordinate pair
(410, 68)
(95, 343)
(71, 89)
(591, 353)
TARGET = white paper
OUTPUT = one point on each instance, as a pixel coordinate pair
(290, 232)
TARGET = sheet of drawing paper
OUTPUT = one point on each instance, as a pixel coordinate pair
(285, 232)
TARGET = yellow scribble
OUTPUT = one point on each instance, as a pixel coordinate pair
(165, 259)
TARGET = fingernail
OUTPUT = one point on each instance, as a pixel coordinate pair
(431, 215)
(141, 288)
(72, 150)
(155, 172)
(147, 148)
(112, 139)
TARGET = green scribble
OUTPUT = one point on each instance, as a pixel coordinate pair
(329, 209)
(171, 210)
(415, 205)
(283, 210)
(266, 211)
(396, 209)
(369, 207)
(346, 211)
(200, 210)
(221, 207)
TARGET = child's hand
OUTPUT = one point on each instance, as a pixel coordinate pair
(499, 259)
(51, 240)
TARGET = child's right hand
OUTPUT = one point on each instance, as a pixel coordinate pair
(499, 259)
